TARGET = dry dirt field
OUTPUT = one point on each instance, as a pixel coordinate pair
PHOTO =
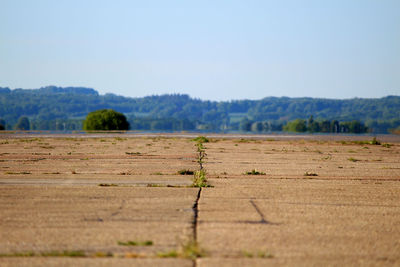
(118, 200)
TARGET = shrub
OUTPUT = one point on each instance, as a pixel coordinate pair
(105, 120)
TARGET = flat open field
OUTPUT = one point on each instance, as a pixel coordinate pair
(119, 200)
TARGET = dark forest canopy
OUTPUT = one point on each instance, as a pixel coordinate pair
(60, 108)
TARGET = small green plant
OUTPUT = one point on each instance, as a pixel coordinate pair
(310, 174)
(258, 254)
(353, 159)
(264, 254)
(157, 173)
(169, 254)
(199, 179)
(185, 172)
(192, 250)
(374, 141)
(254, 172)
(387, 145)
(136, 243)
(247, 254)
(201, 139)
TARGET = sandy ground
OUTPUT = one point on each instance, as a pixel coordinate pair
(318, 201)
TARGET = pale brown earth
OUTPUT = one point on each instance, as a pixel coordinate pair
(51, 201)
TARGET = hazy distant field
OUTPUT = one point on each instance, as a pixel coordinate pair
(119, 200)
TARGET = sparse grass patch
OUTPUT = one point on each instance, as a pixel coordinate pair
(264, 254)
(132, 153)
(258, 254)
(192, 250)
(169, 254)
(18, 172)
(387, 145)
(247, 254)
(65, 253)
(374, 141)
(310, 174)
(157, 173)
(136, 243)
(105, 184)
(47, 147)
(185, 172)
(254, 172)
(18, 254)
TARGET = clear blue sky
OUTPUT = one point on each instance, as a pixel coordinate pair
(217, 50)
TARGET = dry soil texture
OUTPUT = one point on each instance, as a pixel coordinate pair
(117, 200)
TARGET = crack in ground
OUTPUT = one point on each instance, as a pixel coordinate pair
(262, 220)
(195, 221)
(196, 215)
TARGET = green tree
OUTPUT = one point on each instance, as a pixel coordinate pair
(296, 126)
(23, 124)
(106, 120)
(325, 126)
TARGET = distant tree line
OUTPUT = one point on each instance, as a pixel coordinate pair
(325, 126)
(166, 124)
(51, 107)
